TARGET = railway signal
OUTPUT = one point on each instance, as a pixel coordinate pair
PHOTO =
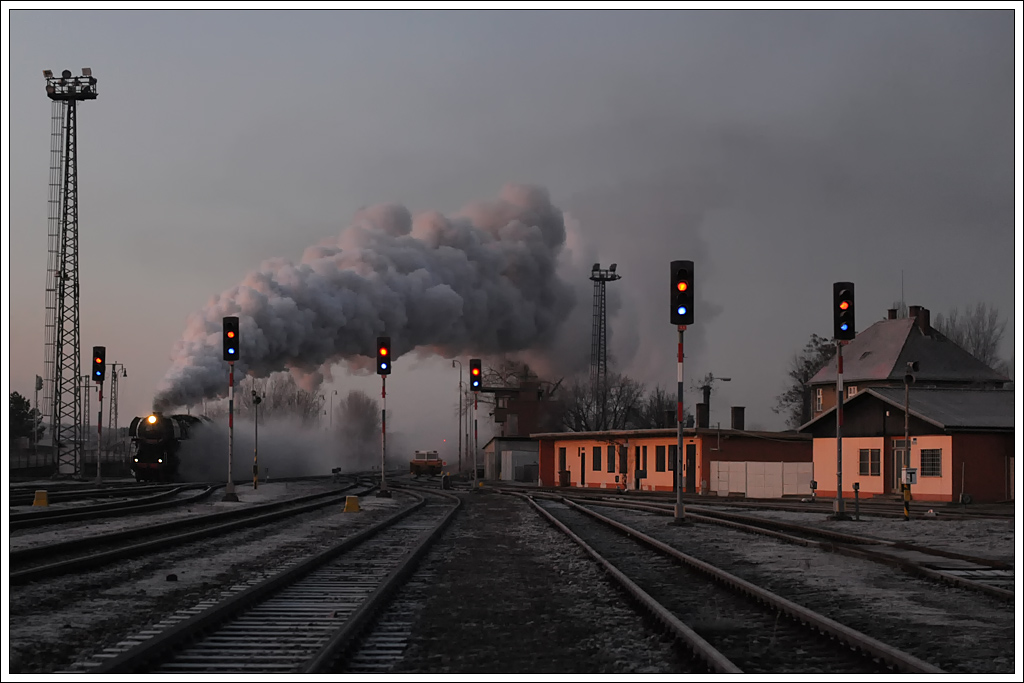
(842, 311)
(99, 363)
(682, 293)
(231, 347)
(474, 374)
(383, 355)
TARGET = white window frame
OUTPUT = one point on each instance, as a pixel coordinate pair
(851, 391)
(817, 400)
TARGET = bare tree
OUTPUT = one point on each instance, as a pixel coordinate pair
(795, 401)
(977, 331)
(658, 409)
(595, 405)
(359, 417)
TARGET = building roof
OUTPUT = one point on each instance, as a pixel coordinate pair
(881, 353)
(670, 432)
(948, 409)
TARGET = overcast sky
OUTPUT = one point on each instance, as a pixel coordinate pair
(781, 151)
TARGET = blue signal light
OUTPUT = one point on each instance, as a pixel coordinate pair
(231, 351)
(98, 373)
(681, 310)
(844, 327)
(383, 366)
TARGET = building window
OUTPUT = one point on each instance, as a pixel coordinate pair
(870, 462)
(645, 458)
(611, 458)
(673, 455)
(931, 462)
(659, 458)
(597, 458)
(851, 392)
(561, 459)
(817, 400)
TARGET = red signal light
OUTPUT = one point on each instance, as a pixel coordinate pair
(682, 286)
(383, 351)
(476, 371)
(844, 305)
(231, 334)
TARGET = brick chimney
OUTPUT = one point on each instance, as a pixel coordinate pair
(892, 314)
(702, 415)
(923, 318)
(737, 417)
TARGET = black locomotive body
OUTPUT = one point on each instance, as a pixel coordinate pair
(156, 440)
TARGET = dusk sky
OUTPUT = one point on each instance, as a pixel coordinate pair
(781, 151)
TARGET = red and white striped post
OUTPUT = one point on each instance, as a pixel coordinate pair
(99, 437)
(476, 443)
(229, 490)
(680, 512)
(839, 508)
(384, 492)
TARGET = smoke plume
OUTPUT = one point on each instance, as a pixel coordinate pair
(483, 281)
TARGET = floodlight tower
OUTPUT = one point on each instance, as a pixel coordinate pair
(599, 334)
(61, 361)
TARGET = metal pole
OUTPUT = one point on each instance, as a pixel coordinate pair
(680, 511)
(839, 510)
(476, 443)
(454, 361)
(229, 490)
(99, 437)
(35, 418)
(256, 441)
(383, 493)
(906, 446)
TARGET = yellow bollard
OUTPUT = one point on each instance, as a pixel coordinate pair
(351, 503)
(41, 500)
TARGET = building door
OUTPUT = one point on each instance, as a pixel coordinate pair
(691, 468)
(583, 466)
(901, 459)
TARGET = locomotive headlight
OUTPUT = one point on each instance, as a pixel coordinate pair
(159, 459)
(151, 419)
(136, 459)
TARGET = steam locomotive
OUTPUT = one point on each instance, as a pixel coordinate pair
(156, 440)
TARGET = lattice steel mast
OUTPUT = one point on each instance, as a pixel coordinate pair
(62, 293)
(599, 334)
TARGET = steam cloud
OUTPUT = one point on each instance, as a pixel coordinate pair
(483, 281)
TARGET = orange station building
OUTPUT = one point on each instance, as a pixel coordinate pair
(716, 461)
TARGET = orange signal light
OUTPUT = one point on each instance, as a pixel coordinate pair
(383, 351)
(682, 286)
(231, 334)
(844, 305)
(476, 371)
(99, 360)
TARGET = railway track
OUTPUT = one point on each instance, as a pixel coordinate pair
(984, 575)
(160, 501)
(25, 497)
(82, 554)
(870, 507)
(307, 618)
(729, 624)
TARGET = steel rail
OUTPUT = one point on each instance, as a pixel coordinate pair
(105, 557)
(711, 657)
(851, 637)
(146, 655)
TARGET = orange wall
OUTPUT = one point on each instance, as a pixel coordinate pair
(731, 447)
(655, 481)
(927, 488)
